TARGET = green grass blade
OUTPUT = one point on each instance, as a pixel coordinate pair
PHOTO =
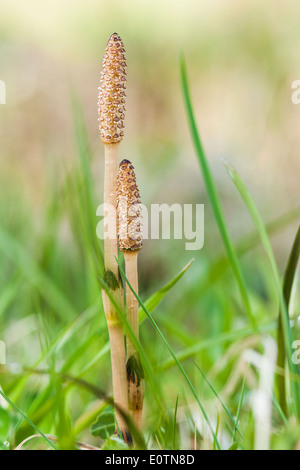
(286, 331)
(175, 423)
(280, 411)
(287, 289)
(238, 411)
(290, 271)
(222, 338)
(220, 400)
(214, 197)
(152, 302)
(175, 359)
(27, 419)
(88, 417)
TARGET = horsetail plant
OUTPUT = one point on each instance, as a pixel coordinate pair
(111, 108)
(130, 243)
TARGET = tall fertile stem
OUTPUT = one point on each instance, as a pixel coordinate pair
(111, 123)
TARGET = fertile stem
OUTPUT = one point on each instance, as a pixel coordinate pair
(111, 123)
(114, 324)
(130, 242)
(111, 152)
(132, 309)
(135, 374)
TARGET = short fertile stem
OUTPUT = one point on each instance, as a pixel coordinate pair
(119, 376)
(135, 374)
(130, 242)
(132, 309)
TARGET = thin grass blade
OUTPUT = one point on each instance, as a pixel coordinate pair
(238, 411)
(175, 359)
(288, 282)
(214, 197)
(27, 419)
(220, 400)
(152, 302)
(286, 330)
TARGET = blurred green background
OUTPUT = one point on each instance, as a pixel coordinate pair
(242, 58)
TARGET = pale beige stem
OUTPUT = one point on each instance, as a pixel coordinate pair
(135, 374)
(110, 202)
(119, 376)
(132, 308)
(115, 327)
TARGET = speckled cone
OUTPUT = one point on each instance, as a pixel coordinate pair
(111, 102)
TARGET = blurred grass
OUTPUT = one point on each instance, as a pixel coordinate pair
(214, 199)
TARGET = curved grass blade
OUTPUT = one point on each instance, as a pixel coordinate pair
(238, 411)
(287, 289)
(175, 422)
(280, 411)
(86, 419)
(152, 302)
(290, 271)
(223, 405)
(175, 359)
(27, 419)
(286, 331)
(222, 338)
(214, 197)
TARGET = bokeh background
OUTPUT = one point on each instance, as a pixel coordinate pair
(242, 58)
